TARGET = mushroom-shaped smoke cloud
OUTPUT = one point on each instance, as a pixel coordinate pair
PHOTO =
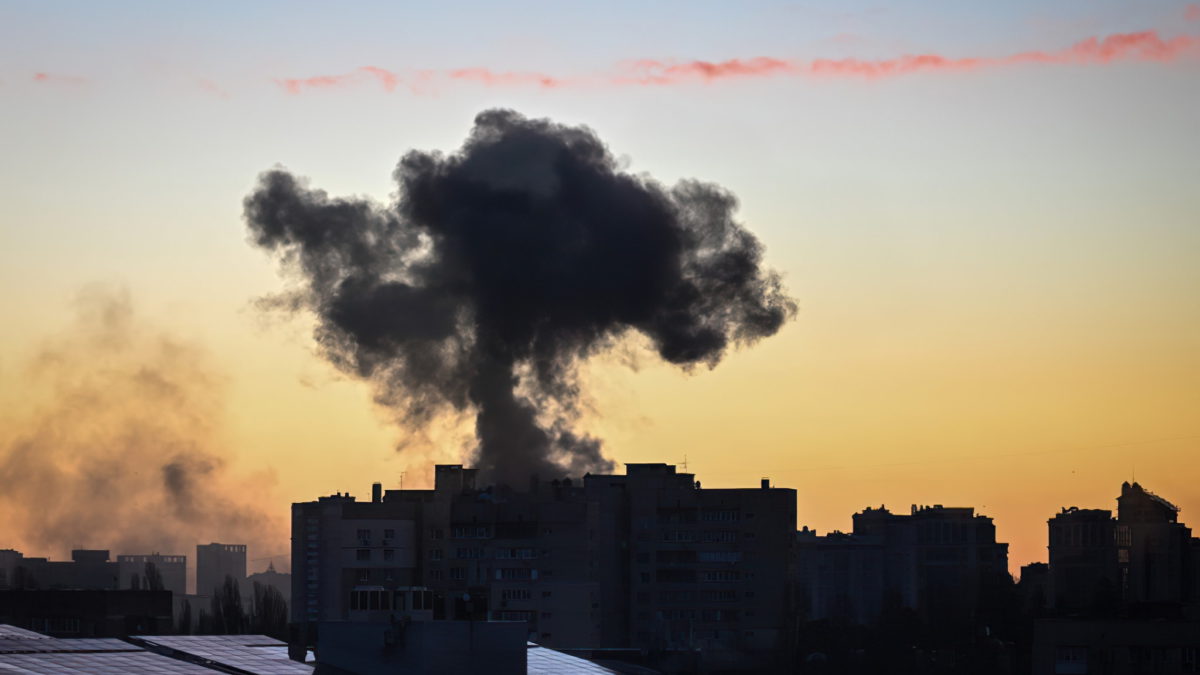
(502, 267)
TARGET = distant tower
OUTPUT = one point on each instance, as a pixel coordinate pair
(215, 561)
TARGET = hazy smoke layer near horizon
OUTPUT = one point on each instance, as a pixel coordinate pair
(501, 267)
(120, 447)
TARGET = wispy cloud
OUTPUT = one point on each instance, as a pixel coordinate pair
(1192, 12)
(58, 78)
(1142, 46)
(1099, 50)
(386, 79)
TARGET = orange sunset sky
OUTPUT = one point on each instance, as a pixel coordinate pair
(989, 220)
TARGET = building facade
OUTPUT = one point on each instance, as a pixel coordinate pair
(647, 559)
(216, 561)
(171, 569)
(1084, 573)
(936, 560)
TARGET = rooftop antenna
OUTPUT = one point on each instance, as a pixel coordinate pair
(685, 462)
(402, 473)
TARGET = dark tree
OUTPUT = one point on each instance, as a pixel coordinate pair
(269, 615)
(154, 581)
(228, 615)
(185, 618)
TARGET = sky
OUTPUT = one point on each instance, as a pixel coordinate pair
(989, 217)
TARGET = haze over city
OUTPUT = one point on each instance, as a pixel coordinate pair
(986, 219)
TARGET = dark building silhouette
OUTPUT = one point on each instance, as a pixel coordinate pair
(1154, 549)
(171, 569)
(840, 576)
(87, 569)
(938, 561)
(216, 561)
(88, 613)
(1084, 572)
(1033, 589)
(1143, 557)
(648, 559)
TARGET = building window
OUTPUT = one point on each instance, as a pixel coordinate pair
(422, 600)
(435, 554)
(515, 574)
(458, 573)
(389, 554)
(389, 534)
(515, 594)
(364, 576)
(720, 556)
(374, 600)
(363, 554)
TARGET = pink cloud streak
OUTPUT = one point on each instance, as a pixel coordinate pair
(1142, 46)
(54, 78)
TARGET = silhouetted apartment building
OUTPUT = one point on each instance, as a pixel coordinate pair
(214, 562)
(840, 576)
(138, 572)
(1153, 548)
(936, 560)
(1084, 573)
(1144, 556)
(648, 559)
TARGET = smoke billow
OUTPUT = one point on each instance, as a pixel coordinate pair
(501, 267)
(120, 449)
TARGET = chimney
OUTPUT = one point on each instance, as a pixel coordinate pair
(766, 483)
(377, 492)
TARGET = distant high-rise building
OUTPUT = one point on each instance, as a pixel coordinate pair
(840, 576)
(214, 562)
(1084, 573)
(937, 560)
(1153, 548)
(1144, 556)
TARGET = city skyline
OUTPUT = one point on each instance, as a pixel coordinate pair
(992, 265)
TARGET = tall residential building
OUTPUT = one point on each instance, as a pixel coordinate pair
(214, 562)
(939, 560)
(1144, 556)
(936, 560)
(840, 576)
(1153, 548)
(1084, 574)
(648, 559)
(172, 569)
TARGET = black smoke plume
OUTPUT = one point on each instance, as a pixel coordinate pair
(499, 268)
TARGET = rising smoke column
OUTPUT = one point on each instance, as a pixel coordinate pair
(503, 266)
(120, 445)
